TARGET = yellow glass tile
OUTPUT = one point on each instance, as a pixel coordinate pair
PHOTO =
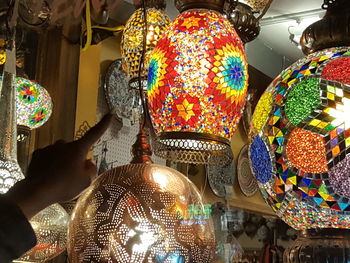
(330, 96)
(315, 122)
(347, 142)
(322, 124)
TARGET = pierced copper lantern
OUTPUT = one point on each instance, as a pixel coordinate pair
(141, 212)
(197, 85)
(132, 39)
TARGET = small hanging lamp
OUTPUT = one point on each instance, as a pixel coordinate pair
(10, 172)
(131, 45)
(197, 85)
(50, 227)
(34, 105)
(245, 16)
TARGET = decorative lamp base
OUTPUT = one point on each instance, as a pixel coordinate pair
(242, 18)
(183, 5)
(192, 147)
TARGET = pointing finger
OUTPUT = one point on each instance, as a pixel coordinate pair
(92, 135)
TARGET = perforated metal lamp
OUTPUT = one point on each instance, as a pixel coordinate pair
(197, 85)
(132, 39)
(301, 132)
(140, 213)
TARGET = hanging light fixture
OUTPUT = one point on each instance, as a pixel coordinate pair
(131, 45)
(141, 212)
(245, 16)
(197, 85)
(300, 131)
(34, 105)
(10, 172)
(50, 227)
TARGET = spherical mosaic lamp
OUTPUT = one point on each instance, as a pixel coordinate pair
(50, 227)
(132, 39)
(300, 144)
(299, 151)
(141, 212)
(34, 105)
(197, 86)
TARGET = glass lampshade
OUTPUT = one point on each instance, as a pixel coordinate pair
(141, 213)
(197, 87)
(50, 227)
(301, 141)
(34, 105)
(132, 41)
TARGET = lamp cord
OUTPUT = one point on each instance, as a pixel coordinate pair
(141, 65)
(88, 26)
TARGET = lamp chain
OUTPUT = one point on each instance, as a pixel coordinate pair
(141, 65)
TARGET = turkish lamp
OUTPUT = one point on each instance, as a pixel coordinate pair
(197, 85)
(141, 212)
(132, 39)
(33, 106)
(50, 228)
(10, 172)
(299, 151)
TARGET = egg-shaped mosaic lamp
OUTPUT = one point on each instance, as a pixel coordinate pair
(197, 87)
(300, 134)
(10, 172)
(50, 227)
(132, 39)
(141, 212)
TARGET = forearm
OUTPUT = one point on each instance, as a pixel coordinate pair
(16, 233)
(28, 198)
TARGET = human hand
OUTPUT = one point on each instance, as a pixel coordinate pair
(58, 173)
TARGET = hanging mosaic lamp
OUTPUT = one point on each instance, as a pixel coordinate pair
(34, 105)
(141, 212)
(300, 148)
(197, 85)
(132, 39)
(10, 172)
(50, 227)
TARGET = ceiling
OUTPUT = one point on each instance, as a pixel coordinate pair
(276, 35)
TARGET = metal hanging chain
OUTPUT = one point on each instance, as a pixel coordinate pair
(141, 64)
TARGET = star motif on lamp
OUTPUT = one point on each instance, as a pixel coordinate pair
(187, 108)
(191, 22)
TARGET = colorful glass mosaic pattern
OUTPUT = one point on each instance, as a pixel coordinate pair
(303, 99)
(261, 112)
(307, 135)
(261, 160)
(132, 39)
(34, 105)
(198, 77)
